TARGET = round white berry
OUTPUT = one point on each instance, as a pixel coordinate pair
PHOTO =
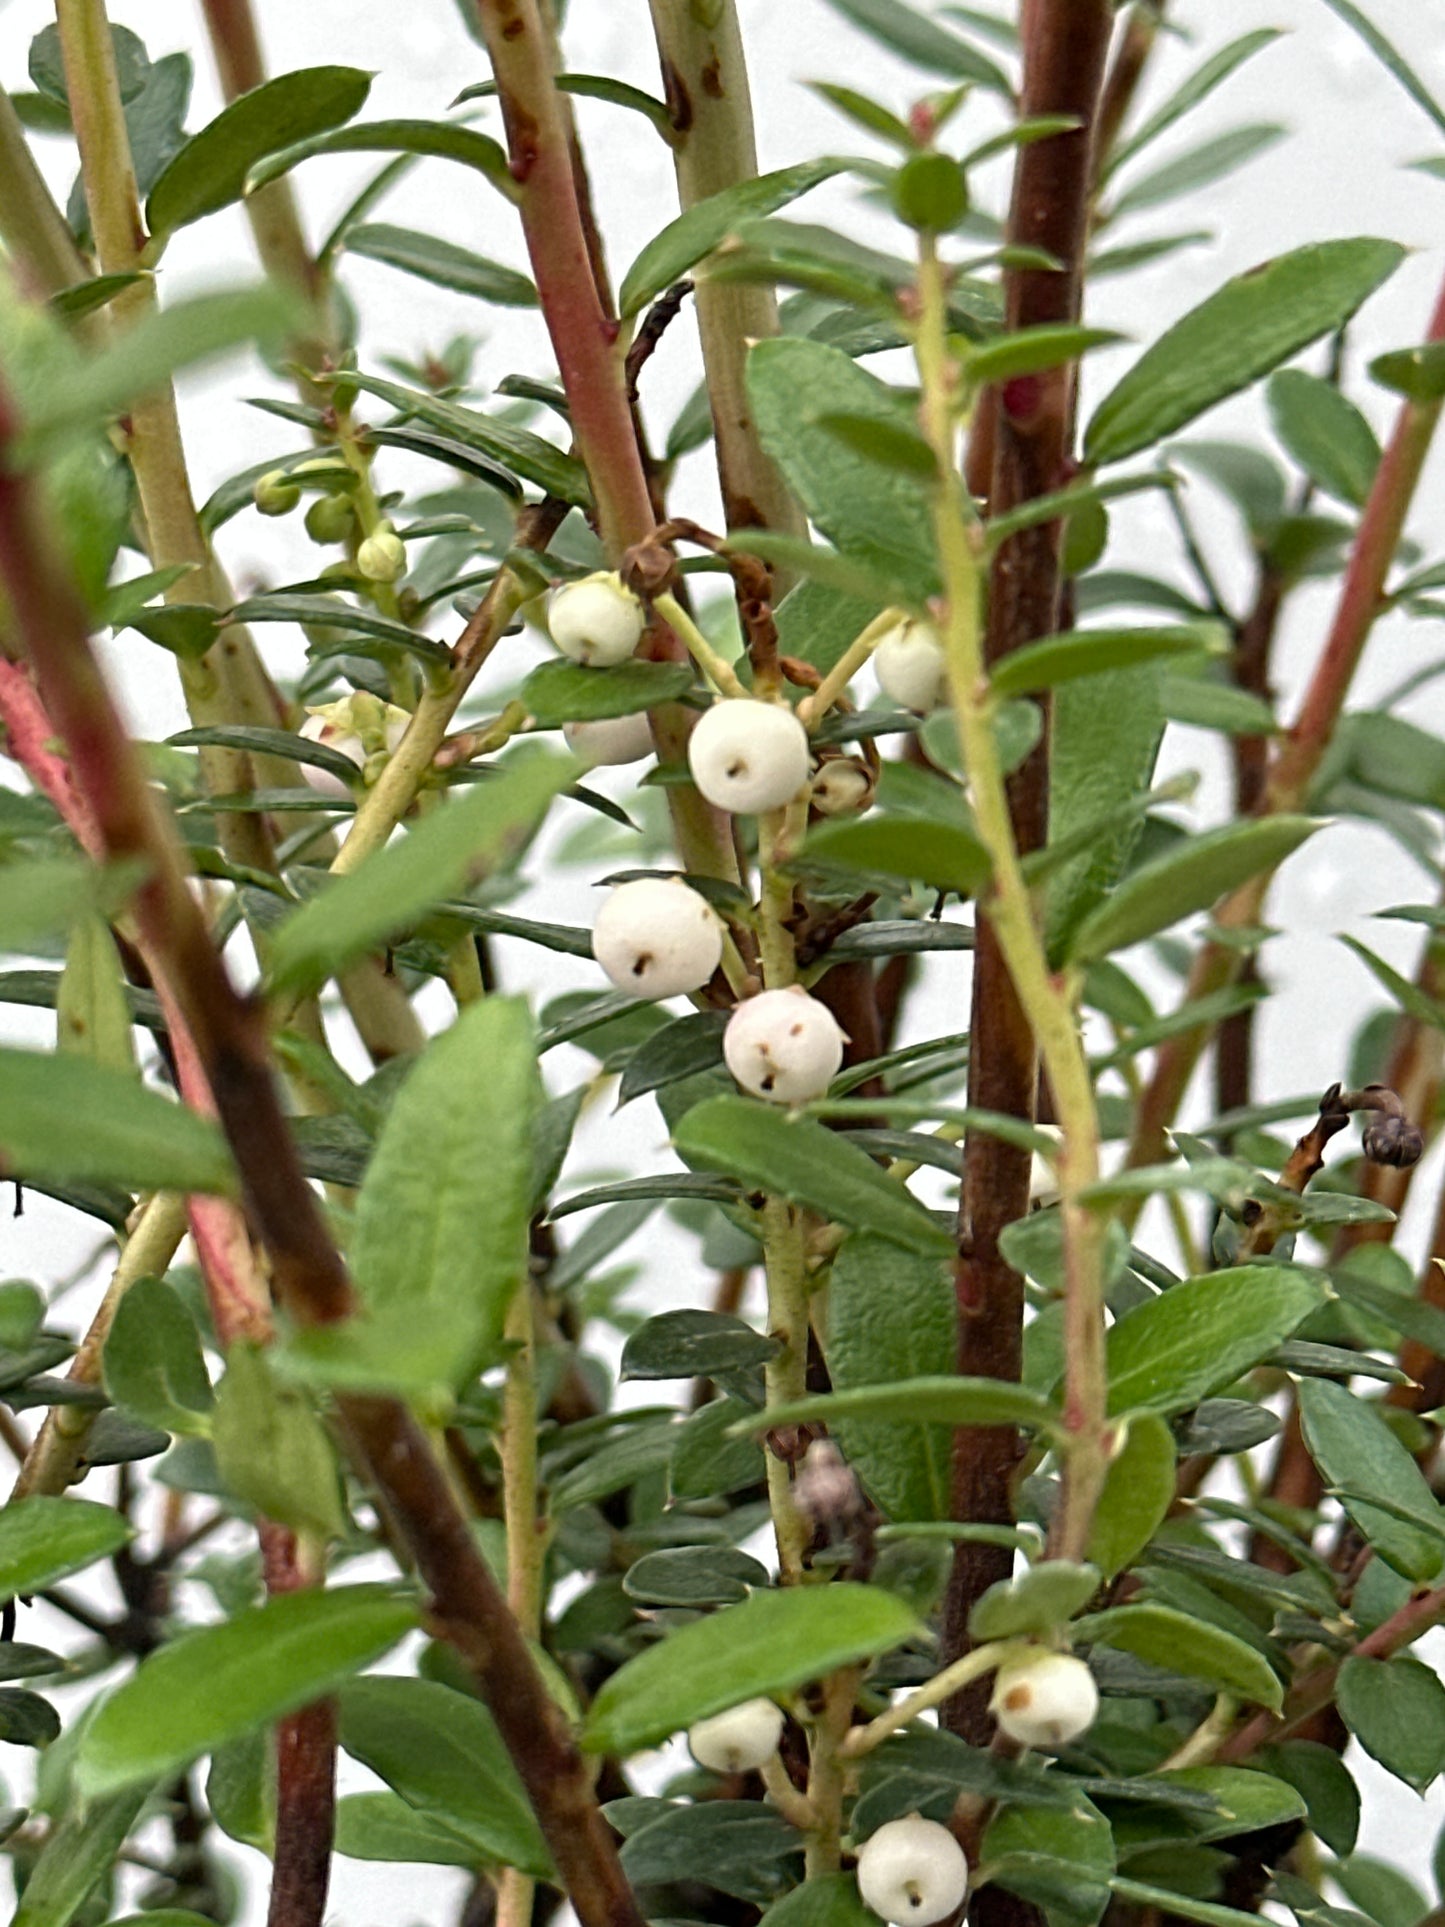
(738, 1741)
(748, 756)
(657, 938)
(611, 739)
(597, 620)
(912, 1871)
(783, 1045)
(1044, 1699)
(911, 665)
(842, 786)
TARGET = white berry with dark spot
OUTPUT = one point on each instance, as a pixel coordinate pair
(749, 756)
(610, 739)
(597, 620)
(912, 1872)
(911, 665)
(738, 1741)
(1044, 1699)
(655, 937)
(783, 1045)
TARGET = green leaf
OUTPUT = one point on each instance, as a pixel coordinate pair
(440, 1750)
(185, 335)
(92, 1014)
(798, 1158)
(241, 1790)
(42, 1540)
(881, 517)
(930, 1401)
(1325, 1784)
(517, 449)
(1418, 373)
(1180, 1643)
(694, 1576)
(1325, 433)
(1356, 1450)
(1248, 327)
(694, 1344)
(76, 1855)
(1199, 1336)
(1195, 88)
(42, 896)
(707, 224)
(929, 192)
(1207, 1912)
(864, 112)
(210, 171)
(439, 139)
(1186, 879)
(272, 1450)
(1028, 351)
(1058, 1857)
(921, 41)
(1207, 704)
(891, 1317)
(1382, 1892)
(680, 1049)
(469, 838)
(945, 856)
(771, 1643)
(1396, 1710)
(212, 1685)
(827, 1900)
(1200, 167)
(1090, 652)
(443, 264)
(1040, 1599)
(132, 1136)
(153, 1363)
(737, 1846)
(1138, 1492)
(566, 692)
(617, 93)
(381, 1826)
(1389, 57)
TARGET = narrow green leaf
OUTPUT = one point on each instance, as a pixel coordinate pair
(1356, 1450)
(41, 896)
(864, 112)
(1396, 1710)
(272, 1450)
(1138, 1493)
(209, 1686)
(1028, 351)
(1198, 1336)
(1418, 373)
(797, 1157)
(517, 449)
(1411, 999)
(1325, 433)
(566, 692)
(1185, 880)
(1041, 1599)
(210, 171)
(1389, 57)
(472, 837)
(617, 93)
(1251, 325)
(382, 1826)
(927, 1401)
(1180, 1643)
(920, 40)
(42, 1540)
(1198, 86)
(771, 1643)
(92, 1014)
(693, 1344)
(1090, 652)
(891, 1317)
(154, 1368)
(77, 1854)
(442, 140)
(132, 1135)
(705, 225)
(1207, 1912)
(1200, 167)
(945, 856)
(443, 264)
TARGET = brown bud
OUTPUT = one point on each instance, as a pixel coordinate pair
(1393, 1140)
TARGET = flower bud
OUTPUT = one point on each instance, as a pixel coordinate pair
(597, 621)
(610, 739)
(912, 1872)
(274, 494)
(749, 756)
(329, 519)
(382, 556)
(911, 665)
(656, 937)
(842, 786)
(1044, 1699)
(357, 727)
(1392, 1140)
(783, 1045)
(738, 1741)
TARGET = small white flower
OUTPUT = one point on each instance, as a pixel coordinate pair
(749, 756)
(1044, 1699)
(655, 937)
(738, 1741)
(783, 1045)
(597, 620)
(1043, 1178)
(912, 1872)
(382, 556)
(356, 727)
(911, 665)
(611, 739)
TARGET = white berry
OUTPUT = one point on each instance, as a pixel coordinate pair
(597, 620)
(912, 1871)
(748, 756)
(911, 665)
(657, 938)
(738, 1741)
(783, 1045)
(1044, 1699)
(611, 739)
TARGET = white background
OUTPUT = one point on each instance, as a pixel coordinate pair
(1341, 173)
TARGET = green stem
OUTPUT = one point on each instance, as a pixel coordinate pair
(34, 230)
(828, 1772)
(816, 704)
(786, 1373)
(963, 1672)
(1046, 1001)
(719, 673)
(526, 1544)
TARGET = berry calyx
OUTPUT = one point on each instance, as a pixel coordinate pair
(911, 665)
(1044, 1699)
(655, 937)
(912, 1871)
(783, 1045)
(749, 756)
(738, 1741)
(597, 621)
